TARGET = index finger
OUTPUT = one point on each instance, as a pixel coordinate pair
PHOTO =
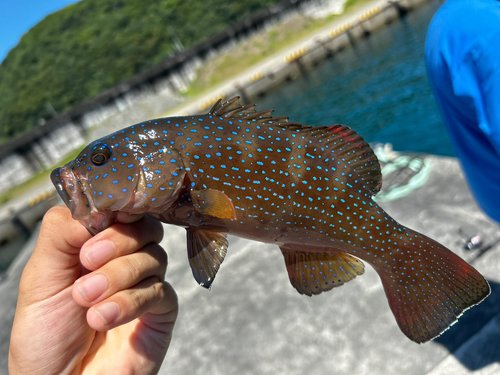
(120, 239)
(126, 218)
(54, 263)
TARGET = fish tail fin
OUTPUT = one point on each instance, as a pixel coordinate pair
(429, 287)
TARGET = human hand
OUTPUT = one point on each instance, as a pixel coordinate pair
(86, 312)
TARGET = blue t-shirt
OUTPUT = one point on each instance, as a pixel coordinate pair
(463, 65)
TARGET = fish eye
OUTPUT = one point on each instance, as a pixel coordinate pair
(100, 154)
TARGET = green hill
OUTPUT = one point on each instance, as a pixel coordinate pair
(92, 45)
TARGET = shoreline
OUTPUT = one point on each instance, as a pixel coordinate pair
(288, 63)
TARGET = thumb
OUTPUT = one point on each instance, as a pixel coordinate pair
(55, 263)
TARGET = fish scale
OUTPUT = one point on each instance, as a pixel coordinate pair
(305, 189)
(271, 182)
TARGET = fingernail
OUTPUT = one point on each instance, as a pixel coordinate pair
(108, 312)
(99, 252)
(92, 287)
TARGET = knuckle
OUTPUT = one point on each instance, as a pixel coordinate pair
(159, 292)
(54, 215)
(158, 288)
(146, 294)
(157, 234)
(133, 268)
(161, 256)
(154, 229)
(137, 299)
(158, 256)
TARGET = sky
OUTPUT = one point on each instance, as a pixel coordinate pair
(18, 16)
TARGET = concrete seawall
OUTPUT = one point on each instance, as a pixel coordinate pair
(287, 65)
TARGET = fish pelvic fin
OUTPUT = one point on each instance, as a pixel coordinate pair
(316, 272)
(206, 252)
(429, 294)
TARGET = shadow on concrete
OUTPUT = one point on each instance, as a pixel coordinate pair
(470, 324)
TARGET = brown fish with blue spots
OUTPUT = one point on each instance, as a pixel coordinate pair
(306, 189)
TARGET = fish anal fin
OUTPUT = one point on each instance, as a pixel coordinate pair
(213, 203)
(206, 251)
(427, 298)
(316, 272)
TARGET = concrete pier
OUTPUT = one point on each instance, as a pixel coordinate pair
(253, 322)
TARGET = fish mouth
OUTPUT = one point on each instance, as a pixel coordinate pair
(70, 191)
(82, 208)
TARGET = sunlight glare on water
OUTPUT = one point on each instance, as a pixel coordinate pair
(378, 87)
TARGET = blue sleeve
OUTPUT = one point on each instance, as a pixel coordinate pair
(478, 77)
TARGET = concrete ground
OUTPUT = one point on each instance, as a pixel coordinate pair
(254, 322)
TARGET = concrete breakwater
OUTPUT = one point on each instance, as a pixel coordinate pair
(20, 221)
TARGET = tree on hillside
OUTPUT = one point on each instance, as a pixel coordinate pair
(92, 45)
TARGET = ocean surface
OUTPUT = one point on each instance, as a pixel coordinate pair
(378, 87)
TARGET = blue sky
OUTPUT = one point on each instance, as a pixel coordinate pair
(18, 16)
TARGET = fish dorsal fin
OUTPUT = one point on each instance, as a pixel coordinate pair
(349, 148)
(347, 145)
(313, 272)
(233, 109)
(206, 251)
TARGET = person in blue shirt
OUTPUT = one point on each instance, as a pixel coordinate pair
(463, 65)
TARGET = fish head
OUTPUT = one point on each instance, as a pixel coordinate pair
(109, 177)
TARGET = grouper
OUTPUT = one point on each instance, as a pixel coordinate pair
(306, 189)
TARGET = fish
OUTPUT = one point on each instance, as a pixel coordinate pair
(308, 190)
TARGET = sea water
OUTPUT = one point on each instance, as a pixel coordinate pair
(378, 87)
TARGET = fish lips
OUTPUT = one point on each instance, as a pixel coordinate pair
(70, 191)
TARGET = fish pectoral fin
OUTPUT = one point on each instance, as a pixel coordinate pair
(206, 251)
(316, 272)
(213, 203)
